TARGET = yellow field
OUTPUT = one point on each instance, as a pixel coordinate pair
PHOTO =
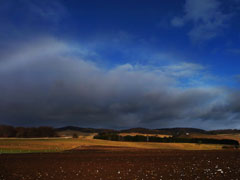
(69, 133)
(134, 134)
(23, 145)
(218, 136)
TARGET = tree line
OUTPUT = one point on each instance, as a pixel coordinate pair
(27, 132)
(141, 138)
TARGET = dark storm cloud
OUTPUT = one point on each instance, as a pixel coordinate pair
(43, 83)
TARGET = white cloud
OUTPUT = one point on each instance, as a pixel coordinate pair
(234, 51)
(207, 17)
(184, 69)
(52, 11)
(178, 22)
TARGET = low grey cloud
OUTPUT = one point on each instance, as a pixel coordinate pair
(44, 83)
(206, 16)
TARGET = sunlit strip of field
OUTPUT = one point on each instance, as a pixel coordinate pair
(135, 134)
(22, 145)
(217, 136)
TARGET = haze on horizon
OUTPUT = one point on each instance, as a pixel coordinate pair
(120, 64)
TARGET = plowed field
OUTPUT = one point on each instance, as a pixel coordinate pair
(111, 163)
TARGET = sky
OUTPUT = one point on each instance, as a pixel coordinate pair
(120, 64)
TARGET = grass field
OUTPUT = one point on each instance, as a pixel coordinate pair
(23, 145)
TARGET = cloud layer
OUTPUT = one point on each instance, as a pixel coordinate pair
(45, 83)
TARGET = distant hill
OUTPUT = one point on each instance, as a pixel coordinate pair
(165, 131)
(140, 130)
(85, 130)
(11, 131)
(225, 131)
(180, 131)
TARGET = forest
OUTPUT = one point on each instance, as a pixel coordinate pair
(27, 132)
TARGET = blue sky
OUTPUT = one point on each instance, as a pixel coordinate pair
(118, 52)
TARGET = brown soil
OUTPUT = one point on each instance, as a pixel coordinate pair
(124, 163)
